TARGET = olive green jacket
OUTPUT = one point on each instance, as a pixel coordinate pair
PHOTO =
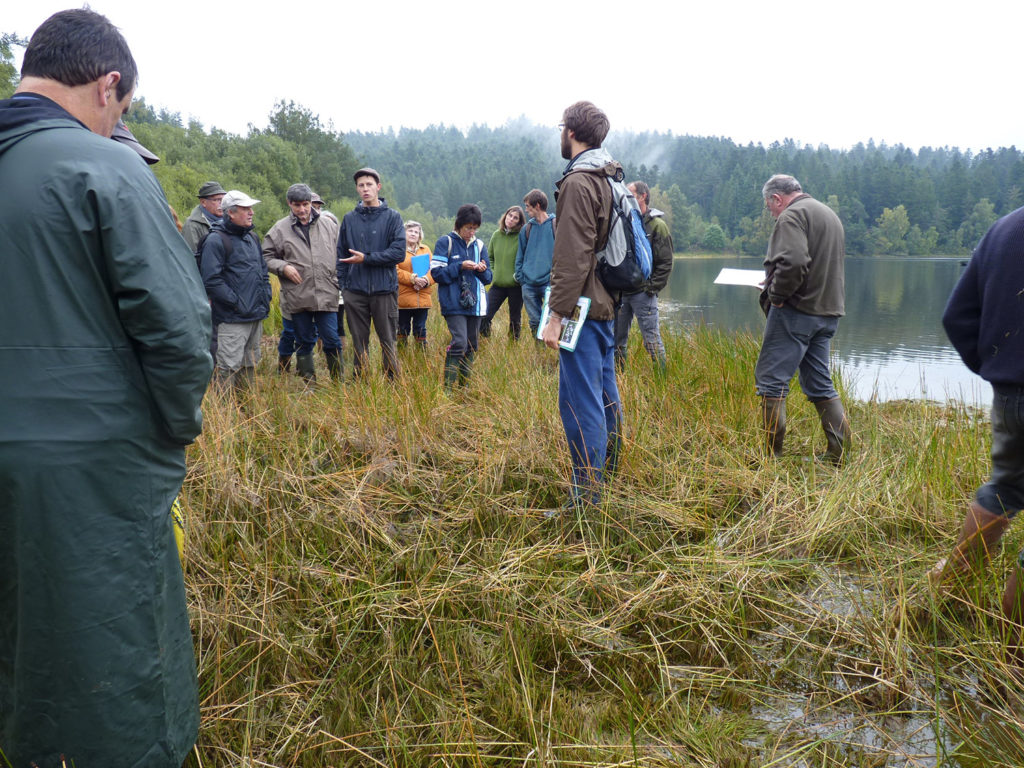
(102, 373)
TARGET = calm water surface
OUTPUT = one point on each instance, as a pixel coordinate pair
(890, 344)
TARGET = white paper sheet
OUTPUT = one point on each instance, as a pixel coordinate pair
(751, 277)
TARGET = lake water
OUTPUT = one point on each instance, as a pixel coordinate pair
(890, 344)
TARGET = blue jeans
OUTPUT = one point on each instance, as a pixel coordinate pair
(310, 324)
(645, 307)
(533, 300)
(591, 412)
(286, 344)
(417, 318)
(794, 341)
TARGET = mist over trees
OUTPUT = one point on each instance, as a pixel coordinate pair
(891, 199)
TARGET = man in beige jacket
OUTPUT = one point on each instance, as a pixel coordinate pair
(300, 250)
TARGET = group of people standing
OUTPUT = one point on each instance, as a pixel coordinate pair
(96, 660)
(387, 279)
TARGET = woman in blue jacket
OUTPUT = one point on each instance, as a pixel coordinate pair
(459, 267)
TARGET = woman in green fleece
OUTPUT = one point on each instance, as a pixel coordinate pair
(502, 249)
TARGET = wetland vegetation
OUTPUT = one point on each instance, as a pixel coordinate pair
(373, 580)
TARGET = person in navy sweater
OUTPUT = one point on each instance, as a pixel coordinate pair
(984, 320)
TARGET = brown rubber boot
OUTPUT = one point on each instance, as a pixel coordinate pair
(773, 416)
(980, 533)
(836, 427)
(1013, 614)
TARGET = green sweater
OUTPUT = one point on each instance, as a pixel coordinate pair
(502, 250)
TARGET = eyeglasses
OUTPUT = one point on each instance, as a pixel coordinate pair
(561, 126)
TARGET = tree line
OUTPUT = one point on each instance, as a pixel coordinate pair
(891, 199)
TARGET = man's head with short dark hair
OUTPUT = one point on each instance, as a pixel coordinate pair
(76, 47)
(299, 193)
(780, 184)
(366, 172)
(536, 199)
(641, 191)
(589, 124)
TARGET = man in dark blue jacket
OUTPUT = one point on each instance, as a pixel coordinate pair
(370, 245)
(984, 320)
(235, 276)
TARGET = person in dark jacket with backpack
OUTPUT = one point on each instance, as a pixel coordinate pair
(236, 280)
(588, 395)
(370, 245)
(643, 302)
(461, 270)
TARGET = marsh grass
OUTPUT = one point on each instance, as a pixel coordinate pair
(373, 581)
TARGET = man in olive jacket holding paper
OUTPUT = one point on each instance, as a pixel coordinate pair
(588, 397)
(804, 297)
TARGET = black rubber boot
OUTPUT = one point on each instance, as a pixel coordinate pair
(836, 427)
(451, 369)
(284, 363)
(466, 367)
(305, 368)
(773, 416)
(334, 364)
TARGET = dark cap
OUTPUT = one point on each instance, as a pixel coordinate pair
(317, 199)
(211, 188)
(366, 172)
(123, 136)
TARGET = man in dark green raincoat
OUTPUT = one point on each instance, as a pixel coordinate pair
(103, 364)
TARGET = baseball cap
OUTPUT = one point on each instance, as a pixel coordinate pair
(237, 197)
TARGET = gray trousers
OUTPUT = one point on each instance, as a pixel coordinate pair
(645, 308)
(238, 345)
(382, 310)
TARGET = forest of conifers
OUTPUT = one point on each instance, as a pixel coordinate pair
(892, 200)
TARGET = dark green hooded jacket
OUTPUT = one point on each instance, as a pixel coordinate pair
(103, 364)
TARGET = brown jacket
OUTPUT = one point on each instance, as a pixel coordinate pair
(584, 200)
(316, 261)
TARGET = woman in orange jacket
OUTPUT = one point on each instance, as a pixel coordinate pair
(414, 287)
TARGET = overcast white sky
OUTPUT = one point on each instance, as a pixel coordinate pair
(935, 74)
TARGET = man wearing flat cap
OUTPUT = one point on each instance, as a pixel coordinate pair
(370, 245)
(236, 280)
(204, 215)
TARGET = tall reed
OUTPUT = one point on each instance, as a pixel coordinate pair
(374, 582)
